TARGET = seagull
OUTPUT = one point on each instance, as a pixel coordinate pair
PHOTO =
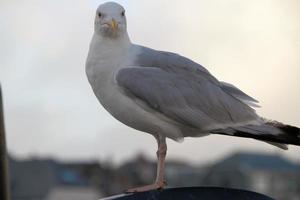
(168, 95)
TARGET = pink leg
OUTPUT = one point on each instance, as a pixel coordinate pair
(160, 182)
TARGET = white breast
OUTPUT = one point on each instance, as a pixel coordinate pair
(101, 68)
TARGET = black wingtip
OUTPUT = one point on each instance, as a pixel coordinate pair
(289, 134)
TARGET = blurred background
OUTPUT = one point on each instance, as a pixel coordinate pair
(63, 143)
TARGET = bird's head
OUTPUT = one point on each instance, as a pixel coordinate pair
(110, 20)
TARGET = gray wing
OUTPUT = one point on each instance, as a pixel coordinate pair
(171, 62)
(175, 63)
(183, 91)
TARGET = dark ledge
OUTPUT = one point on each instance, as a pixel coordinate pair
(193, 193)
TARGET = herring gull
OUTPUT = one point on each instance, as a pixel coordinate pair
(167, 95)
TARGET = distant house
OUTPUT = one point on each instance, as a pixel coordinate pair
(47, 179)
(267, 174)
(181, 174)
(136, 172)
(32, 179)
(73, 193)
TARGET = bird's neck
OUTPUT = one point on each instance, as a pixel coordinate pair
(106, 56)
(110, 46)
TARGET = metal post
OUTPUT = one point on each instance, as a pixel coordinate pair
(4, 186)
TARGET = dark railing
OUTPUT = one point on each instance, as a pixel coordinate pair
(4, 191)
(193, 193)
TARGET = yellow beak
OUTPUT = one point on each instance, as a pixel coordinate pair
(114, 24)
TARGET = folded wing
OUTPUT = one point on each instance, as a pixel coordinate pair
(191, 101)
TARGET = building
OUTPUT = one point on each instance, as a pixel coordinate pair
(47, 179)
(267, 174)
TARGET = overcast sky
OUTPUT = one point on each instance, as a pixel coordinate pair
(51, 110)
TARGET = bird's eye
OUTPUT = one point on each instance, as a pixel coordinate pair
(99, 14)
(123, 13)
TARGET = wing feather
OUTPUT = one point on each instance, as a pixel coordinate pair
(196, 103)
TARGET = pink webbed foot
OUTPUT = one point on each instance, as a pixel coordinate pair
(155, 186)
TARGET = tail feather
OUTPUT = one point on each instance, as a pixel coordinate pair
(272, 132)
(279, 145)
